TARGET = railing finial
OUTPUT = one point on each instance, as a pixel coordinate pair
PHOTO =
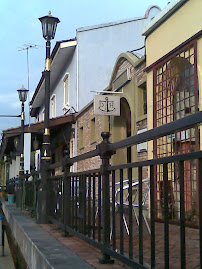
(105, 135)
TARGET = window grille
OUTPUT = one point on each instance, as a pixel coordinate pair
(176, 96)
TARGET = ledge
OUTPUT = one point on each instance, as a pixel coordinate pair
(39, 248)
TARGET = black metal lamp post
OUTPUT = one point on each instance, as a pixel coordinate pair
(22, 92)
(49, 25)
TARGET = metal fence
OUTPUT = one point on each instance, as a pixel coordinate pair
(30, 193)
(10, 185)
(115, 209)
(25, 191)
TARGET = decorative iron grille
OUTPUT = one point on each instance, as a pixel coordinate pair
(176, 96)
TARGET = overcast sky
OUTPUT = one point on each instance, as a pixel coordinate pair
(20, 27)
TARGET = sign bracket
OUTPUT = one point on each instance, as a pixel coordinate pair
(108, 92)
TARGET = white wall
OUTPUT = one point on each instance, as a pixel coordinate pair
(91, 64)
(27, 151)
(14, 167)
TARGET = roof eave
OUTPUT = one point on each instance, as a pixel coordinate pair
(163, 16)
(34, 128)
(53, 54)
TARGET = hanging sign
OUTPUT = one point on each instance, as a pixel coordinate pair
(107, 105)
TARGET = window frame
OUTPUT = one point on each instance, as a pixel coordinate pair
(53, 99)
(81, 137)
(66, 80)
(43, 114)
(93, 136)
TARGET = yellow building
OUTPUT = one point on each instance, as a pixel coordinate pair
(129, 81)
(174, 72)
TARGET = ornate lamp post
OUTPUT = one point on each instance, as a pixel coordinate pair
(49, 25)
(22, 92)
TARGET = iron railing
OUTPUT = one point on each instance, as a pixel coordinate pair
(10, 185)
(109, 207)
(28, 191)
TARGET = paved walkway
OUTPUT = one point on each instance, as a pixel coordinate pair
(81, 248)
(6, 261)
(92, 255)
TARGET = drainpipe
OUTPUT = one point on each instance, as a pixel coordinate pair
(77, 102)
(77, 78)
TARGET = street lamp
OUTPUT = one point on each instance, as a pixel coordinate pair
(49, 25)
(22, 92)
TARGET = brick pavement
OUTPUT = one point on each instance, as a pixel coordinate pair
(92, 255)
(81, 248)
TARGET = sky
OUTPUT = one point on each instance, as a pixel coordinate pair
(21, 28)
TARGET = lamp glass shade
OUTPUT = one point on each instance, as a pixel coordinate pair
(22, 94)
(49, 25)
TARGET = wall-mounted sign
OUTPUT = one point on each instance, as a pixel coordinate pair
(121, 80)
(107, 105)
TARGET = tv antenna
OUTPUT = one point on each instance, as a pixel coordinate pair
(27, 47)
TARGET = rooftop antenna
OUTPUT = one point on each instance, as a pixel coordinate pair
(27, 47)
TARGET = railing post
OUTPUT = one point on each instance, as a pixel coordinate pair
(23, 194)
(105, 155)
(34, 204)
(18, 185)
(42, 201)
(67, 192)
